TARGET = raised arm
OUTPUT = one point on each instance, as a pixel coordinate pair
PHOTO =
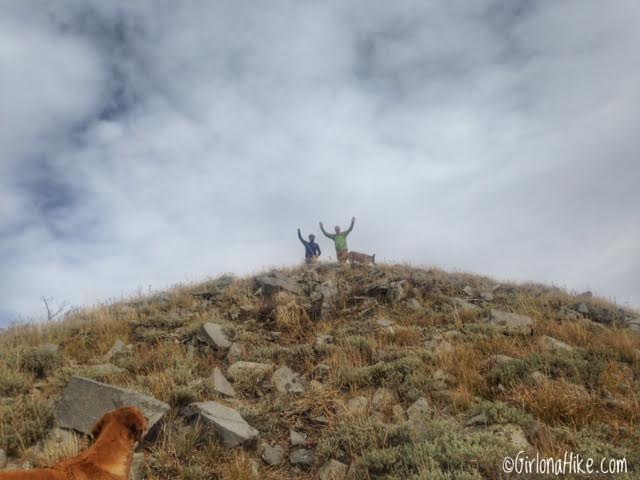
(353, 221)
(300, 237)
(326, 234)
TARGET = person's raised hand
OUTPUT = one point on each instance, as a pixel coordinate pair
(353, 219)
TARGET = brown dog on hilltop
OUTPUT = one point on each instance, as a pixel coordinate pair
(357, 257)
(109, 458)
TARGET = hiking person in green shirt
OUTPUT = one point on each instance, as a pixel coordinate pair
(340, 240)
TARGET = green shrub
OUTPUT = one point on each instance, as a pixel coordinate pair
(501, 412)
(509, 373)
(13, 383)
(24, 422)
(39, 360)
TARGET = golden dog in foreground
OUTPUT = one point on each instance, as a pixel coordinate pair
(109, 458)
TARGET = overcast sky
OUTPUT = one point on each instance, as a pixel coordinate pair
(147, 143)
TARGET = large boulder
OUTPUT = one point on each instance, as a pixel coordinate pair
(511, 322)
(85, 401)
(227, 422)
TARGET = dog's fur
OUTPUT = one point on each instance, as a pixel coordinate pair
(357, 257)
(109, 458)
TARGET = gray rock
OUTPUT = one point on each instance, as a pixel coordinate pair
(499, 359)
(277, 281)
(3, 459)
(297, 438)
(118, 350)
(85, 401)
(583, 309)
(511, 322)
(479, 419)
(322, 341)
(513, 434)
(237, 351)
(384, 322)
(287, 381)
(245, 371)
(383, 398)
(538, 377)
(357, 406)
(231, 427)
(328, 292)
(469, 291)
(221, 384)
(419, 409)
(414, 304)
(397, 291)
(553, 344)
(487, 296)
(214, 335)
(462, 304)
(333, 470)
(302, 457)
(137, 467)
(273, 455)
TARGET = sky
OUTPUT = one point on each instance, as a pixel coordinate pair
(149, 143)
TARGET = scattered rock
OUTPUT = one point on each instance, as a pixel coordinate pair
(302, 457)
(587, 294)
(118, 350)
(237, 351)
(438, 346)
(469, 291)
(357, 406)
(499, 359)
(414, 304)
(84, 401)
(249, 371)
(538, 377)
(397, 291)
(419, 409)
(384, 322)
(287, 381)
(273, 455)
(297, 438)
(137, 467)
(221, 384)
(276, 281)
(383, 398)
(323, 341)
(479, 419)
(486, 296)
(328, 292)
(511, 322)
(512, 433)
(553, 344)
(463, 304)
(231, 427)
(214, 335)
(583, 309)
(333, 470)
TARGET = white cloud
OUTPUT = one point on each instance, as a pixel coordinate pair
(154, 142)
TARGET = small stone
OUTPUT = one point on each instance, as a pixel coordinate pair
(287, 381)
(357, 406)
(419, 409)
(302, 457)
(119, 349)
(384, 322)
(479, 419)
(383, 398)
(229, 424)
(499, 359)
(322, 341)
(333, 470)
(414, 304)
(511, 322)
(221, 384)
(273, 455)
(468, 291)
(583, 309)
(486, 296)
(214, 335)
(137, 467)
(538, 377)
(553, 344)
(237, 351)
(513, 433)
(297, 438)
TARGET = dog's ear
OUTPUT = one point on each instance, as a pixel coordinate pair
(97, 428)
(136, 423)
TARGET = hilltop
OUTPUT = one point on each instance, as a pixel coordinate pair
(389, 372)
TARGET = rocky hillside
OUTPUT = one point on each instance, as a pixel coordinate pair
(388, 372)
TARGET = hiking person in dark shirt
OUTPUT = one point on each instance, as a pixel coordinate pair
(311, 248)
(340, 240)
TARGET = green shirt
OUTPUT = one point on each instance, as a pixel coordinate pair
(340, 239)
